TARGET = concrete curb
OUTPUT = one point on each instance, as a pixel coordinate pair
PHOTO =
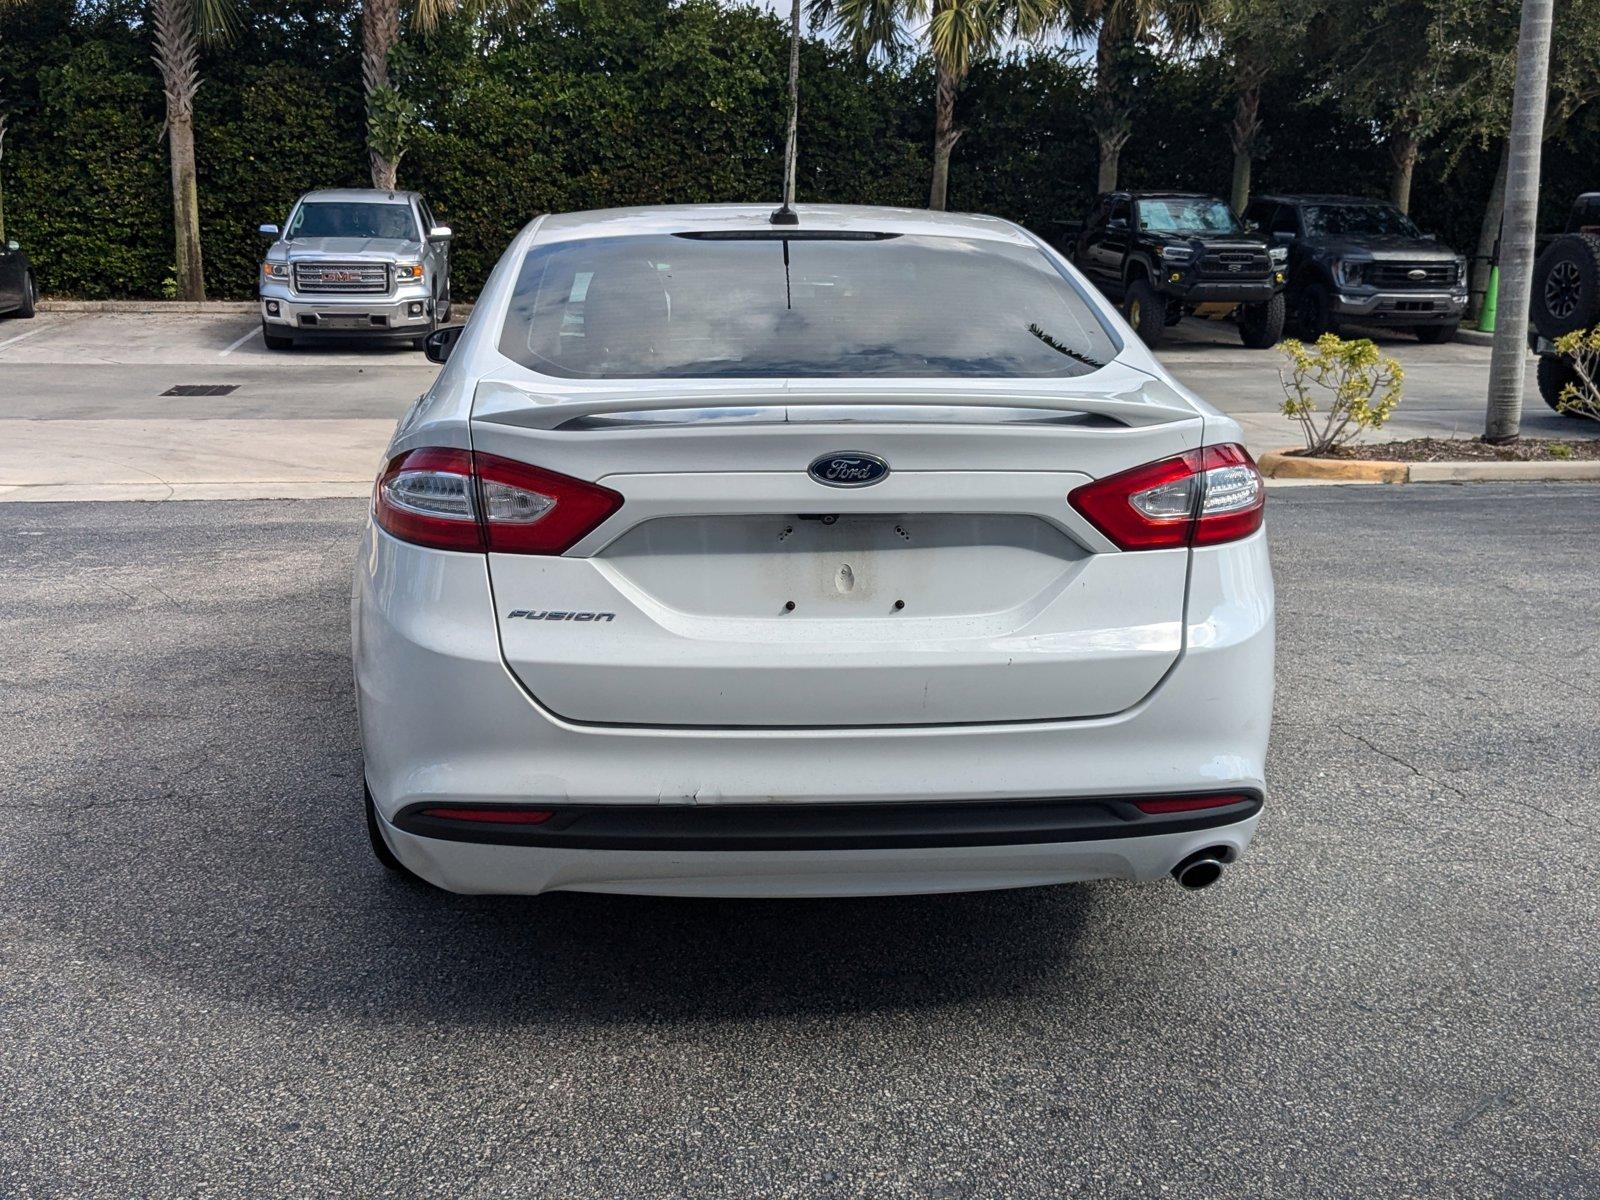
(1473, 337)
(172, 308)
(153, 307)
(1280, 464)
(1277, 464)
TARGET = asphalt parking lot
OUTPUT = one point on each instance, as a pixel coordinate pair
(208, 989)
(85, 409)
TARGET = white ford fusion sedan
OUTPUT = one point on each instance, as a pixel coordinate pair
(868, 554)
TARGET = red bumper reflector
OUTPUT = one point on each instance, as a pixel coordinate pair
(1175, 804)
(501, 816)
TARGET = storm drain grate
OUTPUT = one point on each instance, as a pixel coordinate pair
(201, 389)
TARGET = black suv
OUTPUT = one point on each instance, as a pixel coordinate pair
(1165, 255)
(1363, 262)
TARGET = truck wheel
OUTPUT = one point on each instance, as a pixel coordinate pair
(1261, 325)
(1146, 310)
(1555, 373)
(1566, 286)
(276, 341)
(1437, 335)
(1313, 312)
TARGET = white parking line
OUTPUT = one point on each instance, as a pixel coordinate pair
(240, 342)
(14, 340)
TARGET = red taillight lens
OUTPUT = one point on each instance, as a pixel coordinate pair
(427, 497)
(527, 510)
(457, 500)
(497, 816)
(1176, 804)
(1199, 498)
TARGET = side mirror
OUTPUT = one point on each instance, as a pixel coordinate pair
(439, 344)
(1117, 223)
(270, 231)
(439, 233)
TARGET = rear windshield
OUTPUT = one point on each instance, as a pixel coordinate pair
(328, 218)
(1358, 220)
(705, 306)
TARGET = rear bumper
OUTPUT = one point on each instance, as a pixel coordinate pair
(1401, 308)
(444, 722)
(484, 868)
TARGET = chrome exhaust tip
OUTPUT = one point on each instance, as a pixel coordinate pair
(1200, 870)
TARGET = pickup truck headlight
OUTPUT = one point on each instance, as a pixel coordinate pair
(1461, 268)
(275, 271)
(1351, 274)
(1279, 255)
(1175, 254)
(407, 272)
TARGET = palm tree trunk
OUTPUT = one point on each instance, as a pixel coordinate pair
(380, 33)
(1489, 230)
(2, 180)
(945, 133)
(177, 46)
(1403, 150)
(1246, 126)
(1508, 361)
(1109, 113)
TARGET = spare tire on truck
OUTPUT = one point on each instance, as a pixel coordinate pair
(1566, 286)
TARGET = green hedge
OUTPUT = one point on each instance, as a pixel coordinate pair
(584, 105)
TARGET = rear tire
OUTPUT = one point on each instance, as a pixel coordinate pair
(1261, 325)
(1554, 374)
(276, 341)
(1146, 310)
(30, 298)
(1436, 335)
(380, 848)
(1566, 286)
(1313, 312)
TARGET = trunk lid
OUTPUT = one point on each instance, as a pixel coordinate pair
(733, 589)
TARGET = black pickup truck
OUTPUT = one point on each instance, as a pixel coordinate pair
(1166, 255)
(1566, 294)
(1363, 261)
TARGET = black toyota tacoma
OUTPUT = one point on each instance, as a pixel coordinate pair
(1566, 295)
(1362, 262)
(1167, 255)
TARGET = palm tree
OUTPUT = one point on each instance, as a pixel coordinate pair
(389, 117)
(180, 28)
(959, 32)
(1117, 27)
(1508, 361)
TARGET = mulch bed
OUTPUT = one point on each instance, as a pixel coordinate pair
(1474, 450)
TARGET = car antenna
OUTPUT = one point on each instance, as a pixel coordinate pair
(784, 214)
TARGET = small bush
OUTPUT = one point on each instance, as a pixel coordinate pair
(1361, 387)
(1581, 397)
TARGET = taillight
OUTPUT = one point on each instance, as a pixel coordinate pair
(1195, 499)
(427, 497)
(458, 500)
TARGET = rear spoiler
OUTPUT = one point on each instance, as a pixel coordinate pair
(1133, 399)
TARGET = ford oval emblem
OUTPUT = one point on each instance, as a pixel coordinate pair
(849, 469)
(1416, 273)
